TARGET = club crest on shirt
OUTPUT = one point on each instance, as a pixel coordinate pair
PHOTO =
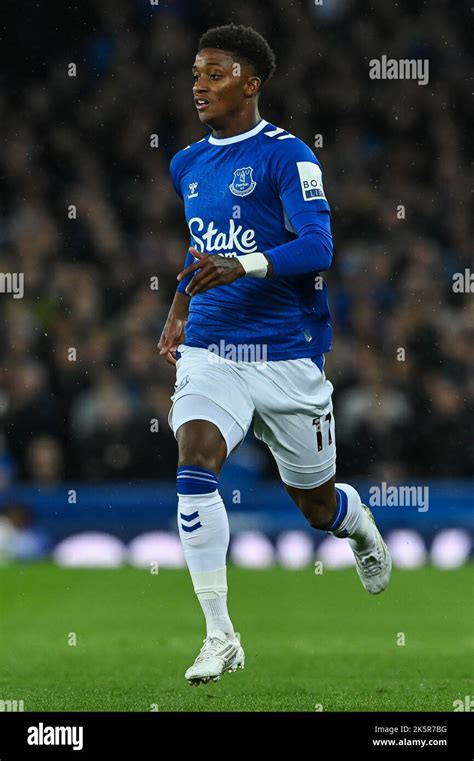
(243, 182)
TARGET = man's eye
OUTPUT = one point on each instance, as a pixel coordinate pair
(214, 75)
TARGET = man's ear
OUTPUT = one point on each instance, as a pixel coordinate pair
(252, 87)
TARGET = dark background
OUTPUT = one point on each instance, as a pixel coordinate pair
(85, 140)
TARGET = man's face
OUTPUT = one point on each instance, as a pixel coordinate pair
(222, 86)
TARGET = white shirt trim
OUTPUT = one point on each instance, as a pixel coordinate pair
(237, 138)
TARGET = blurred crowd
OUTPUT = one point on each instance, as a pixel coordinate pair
(22, 536)
(88, 214)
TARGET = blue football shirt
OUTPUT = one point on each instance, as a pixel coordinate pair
(243, 194)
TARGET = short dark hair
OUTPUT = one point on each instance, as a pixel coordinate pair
(245, 43)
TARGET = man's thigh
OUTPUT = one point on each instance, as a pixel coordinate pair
(209, 390)
(294, 417)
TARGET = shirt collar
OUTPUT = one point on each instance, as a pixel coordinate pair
(237, 138)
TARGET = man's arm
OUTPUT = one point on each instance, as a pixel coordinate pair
(310, 252)
(182, 285)
(173, 331)
(297, 180)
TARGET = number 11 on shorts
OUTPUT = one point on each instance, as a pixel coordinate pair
(319, 433)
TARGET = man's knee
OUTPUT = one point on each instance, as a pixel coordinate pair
(200, 443)
(207, 460)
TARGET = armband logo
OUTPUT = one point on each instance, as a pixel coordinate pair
(311, 181)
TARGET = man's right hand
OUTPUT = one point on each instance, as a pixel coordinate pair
(171, 337)
(173, 332)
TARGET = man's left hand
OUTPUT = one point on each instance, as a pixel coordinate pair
(215, 270)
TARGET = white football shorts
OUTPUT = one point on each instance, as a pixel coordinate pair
(289, 402)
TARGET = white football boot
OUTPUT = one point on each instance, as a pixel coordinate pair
(374, 565)
(220, 652)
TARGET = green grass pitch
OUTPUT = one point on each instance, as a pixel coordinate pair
(310, 640)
